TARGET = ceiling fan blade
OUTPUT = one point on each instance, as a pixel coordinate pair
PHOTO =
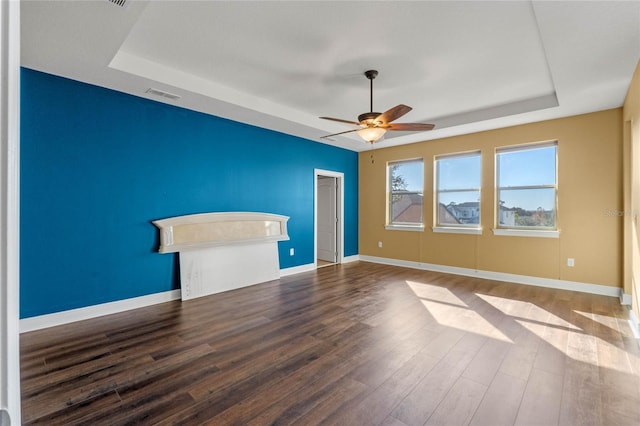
(410, 127)
(393, 114)
(341, 133)
(341, 120)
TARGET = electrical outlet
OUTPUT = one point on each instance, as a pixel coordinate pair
(571, 262)
(291, 251)
(379, 244)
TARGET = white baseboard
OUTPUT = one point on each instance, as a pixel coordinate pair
(312, 266)
(65, 317)
(72, 315)
(501, 276)
(297, 269)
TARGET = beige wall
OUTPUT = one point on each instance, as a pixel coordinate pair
(631, 129)
(589, 187)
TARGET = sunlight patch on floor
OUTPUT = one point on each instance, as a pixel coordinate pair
(604, 320)
(449, 310)
(527, 311)
(464, 319)
(537, 329)
(436, 293)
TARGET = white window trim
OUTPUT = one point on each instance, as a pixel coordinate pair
(528, 232)
(403, 226)
(461, 228)
(542, 233)
(397, 227)
(457, 230)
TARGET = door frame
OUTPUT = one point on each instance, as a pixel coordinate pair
(339, 210)
(10, 410)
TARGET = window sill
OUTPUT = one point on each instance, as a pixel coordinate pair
(526, 233)
(455, 230)
(414, 228)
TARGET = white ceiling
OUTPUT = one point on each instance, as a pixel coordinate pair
(463, 66)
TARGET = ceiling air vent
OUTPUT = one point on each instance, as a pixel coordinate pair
(120, 3)
(157, 92)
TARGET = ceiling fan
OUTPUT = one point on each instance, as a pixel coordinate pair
(373, 125)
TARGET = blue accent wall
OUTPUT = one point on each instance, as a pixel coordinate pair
(97, 166)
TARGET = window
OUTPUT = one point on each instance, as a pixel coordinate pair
(405, 189)
(457, 190)
(526, 179)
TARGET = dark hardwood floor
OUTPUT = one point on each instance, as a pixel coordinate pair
(354, 344)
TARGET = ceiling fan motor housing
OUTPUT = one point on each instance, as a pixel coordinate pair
(368, 118)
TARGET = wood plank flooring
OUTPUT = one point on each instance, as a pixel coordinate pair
(353, 344)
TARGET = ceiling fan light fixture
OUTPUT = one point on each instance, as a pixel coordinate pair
(372, 134)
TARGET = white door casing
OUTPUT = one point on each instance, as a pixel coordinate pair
(9, 212)
(339, 202)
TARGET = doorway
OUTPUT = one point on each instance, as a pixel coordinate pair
(328, 217)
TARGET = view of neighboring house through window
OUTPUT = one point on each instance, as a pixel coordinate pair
(405, 189)
(457, 190)
(526, 180)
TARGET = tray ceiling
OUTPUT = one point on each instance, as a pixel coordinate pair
(464, 66)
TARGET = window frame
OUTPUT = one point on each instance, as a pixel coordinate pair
(403, 226)
(526, 231)
(461, 228)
